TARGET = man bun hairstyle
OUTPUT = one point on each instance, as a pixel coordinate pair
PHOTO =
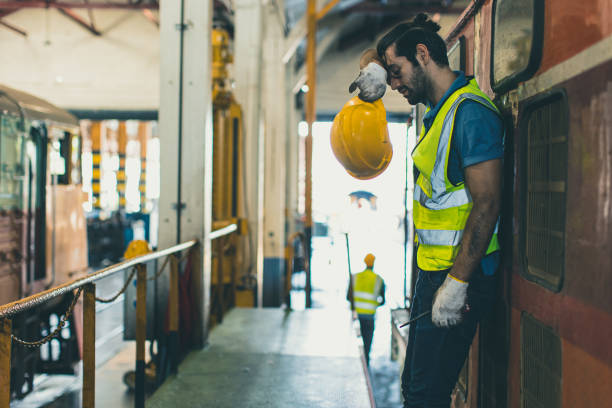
(406, 36)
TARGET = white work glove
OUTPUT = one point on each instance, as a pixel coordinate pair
(372, 82)
(449, 302)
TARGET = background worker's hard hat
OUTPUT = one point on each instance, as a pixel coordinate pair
(360, 138)
(369, 260)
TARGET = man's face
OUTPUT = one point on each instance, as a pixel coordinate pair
(406, 78)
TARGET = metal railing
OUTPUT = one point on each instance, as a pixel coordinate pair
(87, 286)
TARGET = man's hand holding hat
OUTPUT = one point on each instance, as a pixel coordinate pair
(372, 79)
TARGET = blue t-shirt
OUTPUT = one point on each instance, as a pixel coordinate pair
(477, 137)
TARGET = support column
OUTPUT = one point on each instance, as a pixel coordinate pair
(292, 151)
(185, 123)
(311, 114)
(248, 36)
(275, 116)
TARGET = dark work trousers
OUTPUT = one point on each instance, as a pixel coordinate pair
(435, 355)
(366, 324)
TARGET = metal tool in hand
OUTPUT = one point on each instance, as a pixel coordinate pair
(416, 318)
(465, 309)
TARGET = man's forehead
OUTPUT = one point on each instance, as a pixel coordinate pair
(390, 55)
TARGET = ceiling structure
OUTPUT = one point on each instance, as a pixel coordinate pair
(343, 33)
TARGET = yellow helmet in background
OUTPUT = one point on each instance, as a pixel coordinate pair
(360, 138)
(369, 260)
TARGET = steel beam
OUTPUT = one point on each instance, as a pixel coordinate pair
(402, 10)
(151, 17)
(79, 20)
(16, 5)
(13, 28)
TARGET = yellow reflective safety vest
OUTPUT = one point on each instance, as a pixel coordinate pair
(441, 209)
(366, 290)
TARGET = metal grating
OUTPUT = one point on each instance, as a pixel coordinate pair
(545, 179)
(540, 365)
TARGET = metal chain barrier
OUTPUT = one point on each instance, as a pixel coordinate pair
(127, 282)
(161, 270)
(56, 332)
(68, 313)
(184, 257)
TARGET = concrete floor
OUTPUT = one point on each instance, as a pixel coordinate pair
(272, 358)
(264, 356)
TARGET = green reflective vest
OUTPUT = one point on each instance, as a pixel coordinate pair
(441, 209)
(366, 290)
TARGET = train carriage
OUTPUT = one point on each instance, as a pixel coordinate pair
(43, 240)
(548, 66)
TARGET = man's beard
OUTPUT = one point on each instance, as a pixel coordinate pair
(420, 84)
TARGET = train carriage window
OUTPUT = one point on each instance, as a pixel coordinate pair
(517, 42)
(456, 55)
(544, 175)
(12, 168)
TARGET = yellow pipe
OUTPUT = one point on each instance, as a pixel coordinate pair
(327, 9)
(311, 112)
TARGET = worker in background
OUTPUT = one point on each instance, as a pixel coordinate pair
(367, 290)
(457, 194)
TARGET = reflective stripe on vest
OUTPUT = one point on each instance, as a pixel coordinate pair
(441, 209)
(366, 289)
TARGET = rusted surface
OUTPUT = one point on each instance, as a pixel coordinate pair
(589, 201)
(12, 259)
(587, 327)
(5, 362)
(573, 26)
(466, 18)
(484, 58)
(580, 390)
(89, 346)
(141, 312)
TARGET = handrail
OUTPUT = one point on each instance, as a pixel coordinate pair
(29, 302)
(86, 286)
(223, 231)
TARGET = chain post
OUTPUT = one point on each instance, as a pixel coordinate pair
(5, 362)
(174, 313)
(220, 283)
(89, 346)
(141, 334)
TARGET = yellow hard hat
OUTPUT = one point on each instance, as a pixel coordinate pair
(360, 138)
(369, 260)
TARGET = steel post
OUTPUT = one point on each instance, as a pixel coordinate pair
(5, 362)
(141, 334)
(173, 323)
(89, 346)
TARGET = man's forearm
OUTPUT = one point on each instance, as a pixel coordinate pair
(476, 237)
